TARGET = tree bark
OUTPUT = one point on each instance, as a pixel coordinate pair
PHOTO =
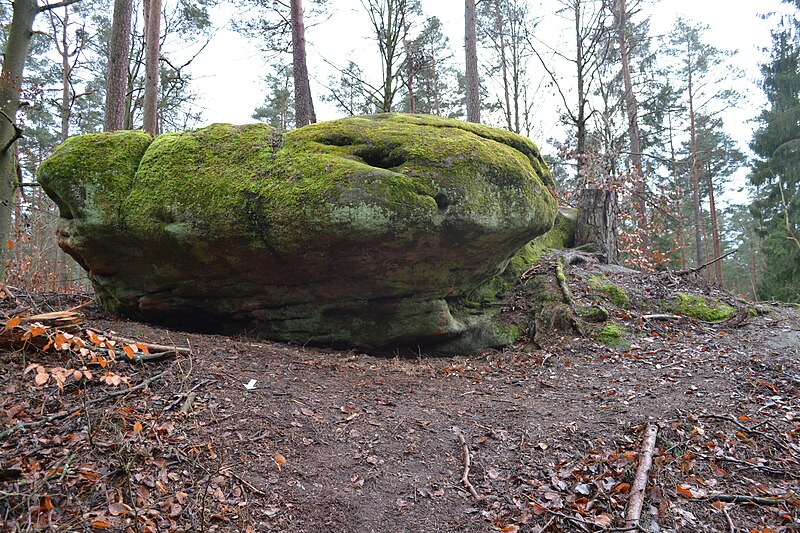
(117, 79)
(503, 62)
(714, 229)
(153, 45)
(597, 223)
(698, 221)
(16, 52)
(303, 103)
(580, 136)
(640, 186)
(471, 47)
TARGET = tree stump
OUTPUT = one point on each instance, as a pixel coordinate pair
(597, 223)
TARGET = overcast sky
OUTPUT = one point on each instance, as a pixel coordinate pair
(230, 71)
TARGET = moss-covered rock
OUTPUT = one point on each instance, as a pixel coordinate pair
(360, 231)
(610, 334)
(702, 308)
(614, 293)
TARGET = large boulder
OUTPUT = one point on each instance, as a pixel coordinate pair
(359, 232)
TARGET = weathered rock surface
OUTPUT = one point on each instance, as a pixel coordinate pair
(361, 231)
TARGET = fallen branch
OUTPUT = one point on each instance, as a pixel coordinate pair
(180, 397)
(701, 267)
(562, 283)
(149, 345)
(72, 410)
(731, 526)
(661, 317)
(465, 475)
(634, 513)
(741, 426)
(744, 498)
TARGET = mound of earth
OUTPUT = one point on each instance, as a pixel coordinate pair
(358, 232)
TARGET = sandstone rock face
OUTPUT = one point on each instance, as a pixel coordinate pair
(361, 231)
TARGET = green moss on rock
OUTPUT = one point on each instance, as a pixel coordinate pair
(702, 308)
(361, 231)
(615, 294)
(610, 334)
(106, 164)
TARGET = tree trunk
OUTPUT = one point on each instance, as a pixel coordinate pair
(640, 187)
(117, 79)
(698, 221)
(153, 44)
(597, 223)
(714, 230)
(14, 56)
(580, 137)
(410, 72)
(303, 103)
(66, 75)
(500, 30)
(471, 47)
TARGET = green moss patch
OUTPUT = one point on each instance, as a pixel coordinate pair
(615, 294)
(701, 308)
(610, 334)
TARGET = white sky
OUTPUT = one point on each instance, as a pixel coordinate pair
(230, 71)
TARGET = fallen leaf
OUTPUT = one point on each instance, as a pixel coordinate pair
(137, 427)
(14, 322)
(117, 509)
(41, 378)
(603, 520)
(280, 460)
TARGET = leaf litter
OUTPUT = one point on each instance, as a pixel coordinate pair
(95, 439)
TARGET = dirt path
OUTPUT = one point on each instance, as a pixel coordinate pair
(340, 441)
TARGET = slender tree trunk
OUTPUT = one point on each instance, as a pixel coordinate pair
(500, 30)
(117, 79)
(698, 221)
(153, 44)
(472, 82)
(66, 75)
(714, 229)
(16, 52)
(581, 122)
(410, 73)
(640, 186)
(303, 103)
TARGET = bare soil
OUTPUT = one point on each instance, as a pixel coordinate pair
(339, 441)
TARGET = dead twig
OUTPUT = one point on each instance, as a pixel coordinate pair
(180, 397)
(744, 428)
(634, 513)
(661, 317)
(731, 527)
(744, 498)
(72, 410)
(149, 345)
(465, 474)
(701, 267)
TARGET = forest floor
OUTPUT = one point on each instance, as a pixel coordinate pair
(240, 434)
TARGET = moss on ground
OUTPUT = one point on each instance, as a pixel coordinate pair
(701, 308)
(615, 294)
(610, 334)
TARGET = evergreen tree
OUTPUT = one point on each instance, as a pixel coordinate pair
(776, 171)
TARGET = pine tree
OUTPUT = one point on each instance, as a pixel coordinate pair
(776, 171)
